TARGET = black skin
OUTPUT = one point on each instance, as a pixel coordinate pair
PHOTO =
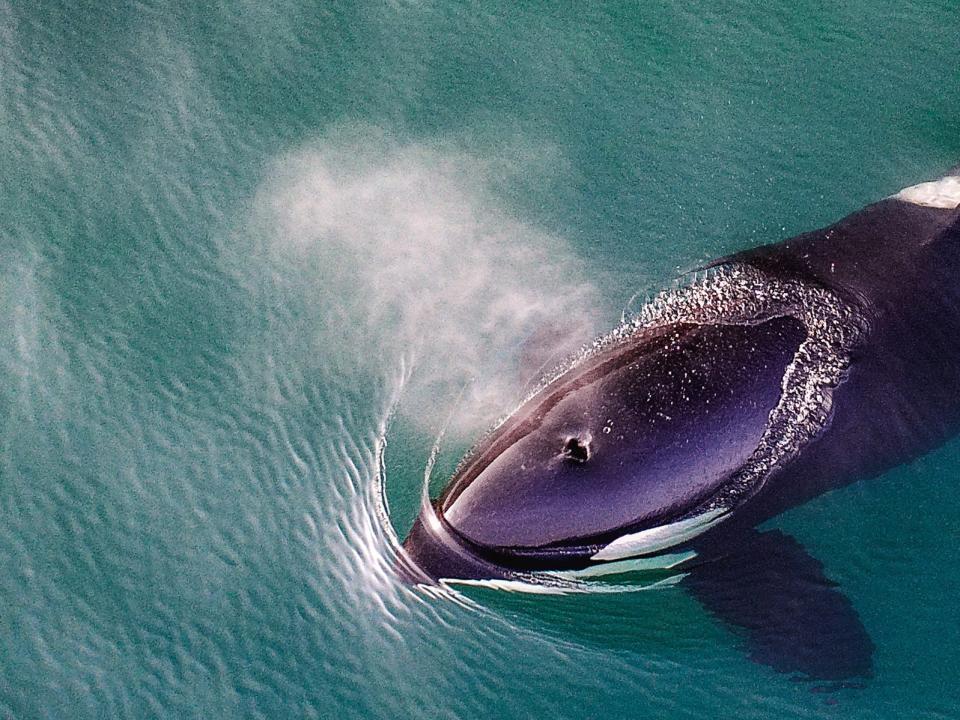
(660, 422)
(899, 265)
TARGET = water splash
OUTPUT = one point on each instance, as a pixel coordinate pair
(406, 254)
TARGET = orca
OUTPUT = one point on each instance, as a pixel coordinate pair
(777, 374)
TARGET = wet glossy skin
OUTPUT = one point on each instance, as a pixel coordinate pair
(895, 262)
(550, 488)
(635, 436)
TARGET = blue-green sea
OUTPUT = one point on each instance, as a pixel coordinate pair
(255, 257)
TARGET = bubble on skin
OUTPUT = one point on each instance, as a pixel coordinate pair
(740, 294)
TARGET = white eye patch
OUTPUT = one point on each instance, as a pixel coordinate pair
(659, 538)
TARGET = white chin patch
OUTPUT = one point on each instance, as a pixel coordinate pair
(630, 565)
(509, 585)
(659, 538)
(943, 193)
(544, 585)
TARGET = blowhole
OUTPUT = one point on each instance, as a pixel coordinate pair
(577, 449)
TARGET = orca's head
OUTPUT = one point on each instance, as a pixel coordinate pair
(623, 455)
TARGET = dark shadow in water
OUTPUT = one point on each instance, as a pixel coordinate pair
(765, 588)
(792, 617)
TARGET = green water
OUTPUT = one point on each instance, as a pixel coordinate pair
(254, 257)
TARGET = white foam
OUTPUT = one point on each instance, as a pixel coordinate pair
(943, 193)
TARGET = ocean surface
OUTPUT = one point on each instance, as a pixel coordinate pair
(257, 257)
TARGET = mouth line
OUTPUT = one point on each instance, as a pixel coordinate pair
(647, 543)
(648, 564)
(561, 570)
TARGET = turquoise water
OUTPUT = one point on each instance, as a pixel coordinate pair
(254, 258)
